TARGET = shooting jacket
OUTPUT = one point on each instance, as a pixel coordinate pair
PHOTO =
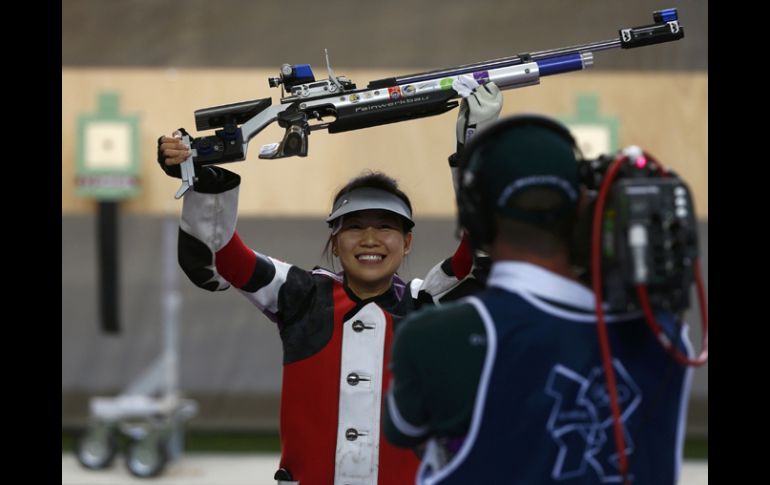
(335, 345)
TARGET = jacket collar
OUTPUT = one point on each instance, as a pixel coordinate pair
(518, 276)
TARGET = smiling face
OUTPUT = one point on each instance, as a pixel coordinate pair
(371, 245)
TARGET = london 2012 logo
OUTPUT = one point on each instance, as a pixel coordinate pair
(580, 421)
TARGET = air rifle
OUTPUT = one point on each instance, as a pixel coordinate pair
(383, 101)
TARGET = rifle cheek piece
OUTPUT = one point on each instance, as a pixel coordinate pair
(226, 144)
(236, 113)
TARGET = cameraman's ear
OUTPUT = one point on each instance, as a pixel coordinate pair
(580, 247)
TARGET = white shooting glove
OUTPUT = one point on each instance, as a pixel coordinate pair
(480, 107)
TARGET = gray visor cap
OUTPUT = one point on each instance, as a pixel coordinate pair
(365, 198)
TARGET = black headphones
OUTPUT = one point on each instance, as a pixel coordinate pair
(475, 214)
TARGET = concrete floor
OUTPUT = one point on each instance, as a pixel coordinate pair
(240, 469)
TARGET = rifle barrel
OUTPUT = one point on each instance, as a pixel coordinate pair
(498, 63)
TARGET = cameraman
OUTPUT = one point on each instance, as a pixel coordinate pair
(508, 386)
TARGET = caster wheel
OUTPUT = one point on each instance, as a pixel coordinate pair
(146, 457)
(96, 447)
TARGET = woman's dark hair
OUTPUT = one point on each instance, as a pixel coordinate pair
(376, 180)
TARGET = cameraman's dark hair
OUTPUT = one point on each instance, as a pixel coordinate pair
(544, 239)
(375, 180)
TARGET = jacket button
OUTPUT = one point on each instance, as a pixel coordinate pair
(360, 326)
(353, 378)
